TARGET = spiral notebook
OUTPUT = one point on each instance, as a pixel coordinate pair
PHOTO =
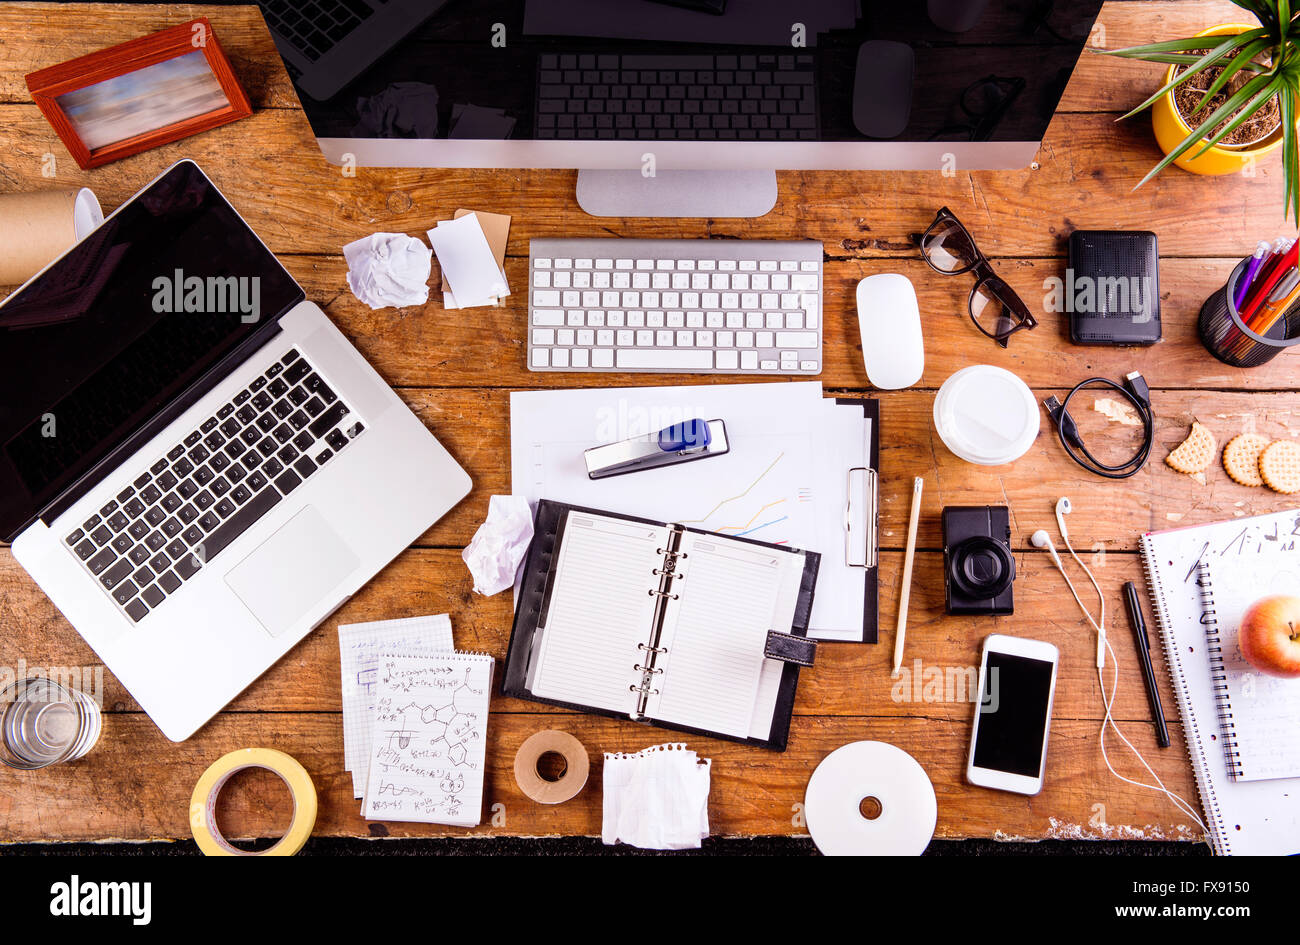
(1259, 715)
(1189, 571)
(659, 623)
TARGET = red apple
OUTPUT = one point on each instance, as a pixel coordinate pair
(1270, 635)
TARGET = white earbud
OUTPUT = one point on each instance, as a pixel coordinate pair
(1040, 539)
(1063, 508)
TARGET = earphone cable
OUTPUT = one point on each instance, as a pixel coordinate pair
(1108, 701)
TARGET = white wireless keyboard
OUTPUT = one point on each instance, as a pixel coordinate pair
(675, 306)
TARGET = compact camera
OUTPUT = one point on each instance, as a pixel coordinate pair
(978, 567)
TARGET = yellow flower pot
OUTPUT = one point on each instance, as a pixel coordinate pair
(1170, 128)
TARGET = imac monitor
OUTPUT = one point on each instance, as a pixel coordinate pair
(681, 107)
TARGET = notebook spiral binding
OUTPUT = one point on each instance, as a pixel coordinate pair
(1191, 736)
(667, 574)
(1218, 676)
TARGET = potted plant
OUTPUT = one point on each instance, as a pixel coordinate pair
(1229, 95)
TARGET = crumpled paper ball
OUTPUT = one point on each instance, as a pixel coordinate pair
(498, 547)
(389, 269)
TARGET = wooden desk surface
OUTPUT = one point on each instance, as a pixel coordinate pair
(136, 784)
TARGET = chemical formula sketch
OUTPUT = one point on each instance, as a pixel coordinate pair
(429, 737)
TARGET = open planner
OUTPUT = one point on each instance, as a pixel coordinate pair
(1239, 725)
(659, 623)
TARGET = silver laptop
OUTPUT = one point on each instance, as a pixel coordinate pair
(195, 465)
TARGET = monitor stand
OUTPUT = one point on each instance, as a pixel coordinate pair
(677, 193)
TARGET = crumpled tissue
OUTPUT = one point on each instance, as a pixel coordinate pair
(389, 269)
(498, 547)
(657, 798)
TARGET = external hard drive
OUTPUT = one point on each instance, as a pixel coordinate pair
(1112, 289)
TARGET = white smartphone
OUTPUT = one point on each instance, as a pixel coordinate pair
(1013, 714)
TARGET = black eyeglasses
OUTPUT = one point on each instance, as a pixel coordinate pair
(996, 310)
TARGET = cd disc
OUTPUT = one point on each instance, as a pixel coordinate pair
(870, 799)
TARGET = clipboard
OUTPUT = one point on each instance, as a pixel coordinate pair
(862, 521)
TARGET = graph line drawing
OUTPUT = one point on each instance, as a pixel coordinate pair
(775, 521)
(735, 498)
(740, 528)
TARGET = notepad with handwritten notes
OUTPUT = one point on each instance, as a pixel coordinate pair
(429, 742)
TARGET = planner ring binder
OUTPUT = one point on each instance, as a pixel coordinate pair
(667, 574)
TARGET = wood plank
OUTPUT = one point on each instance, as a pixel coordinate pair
(849, 679)
(107, 796)
(299, 204)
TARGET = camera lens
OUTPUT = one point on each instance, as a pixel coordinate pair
(982, 568)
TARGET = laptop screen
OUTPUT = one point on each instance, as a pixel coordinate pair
(124, 323)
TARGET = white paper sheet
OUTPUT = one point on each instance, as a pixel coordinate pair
(468, 266)
(360, 645)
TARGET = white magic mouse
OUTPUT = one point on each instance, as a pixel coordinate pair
(890, 323)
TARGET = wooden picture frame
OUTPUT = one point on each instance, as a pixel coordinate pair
(118, 101)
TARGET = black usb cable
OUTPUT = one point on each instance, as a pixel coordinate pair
(1135, 391)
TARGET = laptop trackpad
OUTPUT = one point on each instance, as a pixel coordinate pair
(292, 571)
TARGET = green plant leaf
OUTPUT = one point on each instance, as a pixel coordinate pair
(1191, 44)
(1265, 12)
(1290, 165)
(1246, 54)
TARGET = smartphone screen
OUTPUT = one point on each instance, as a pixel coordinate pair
(1013, 714)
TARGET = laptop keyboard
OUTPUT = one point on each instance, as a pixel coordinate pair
(209, 488)
(315, 27)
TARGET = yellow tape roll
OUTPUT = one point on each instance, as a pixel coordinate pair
(203, 803)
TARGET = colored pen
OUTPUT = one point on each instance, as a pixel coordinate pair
(1256, 260)
(1144, 655)
(1266, 266)
(1287, 291)
(1265, 284)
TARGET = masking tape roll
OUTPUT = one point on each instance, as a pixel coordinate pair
(203, 803)
(576, 767)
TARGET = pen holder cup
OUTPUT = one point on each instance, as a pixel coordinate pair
(1226, 336)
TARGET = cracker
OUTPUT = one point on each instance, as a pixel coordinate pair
(1195, 453)
(1279, 466)
(1241, 458)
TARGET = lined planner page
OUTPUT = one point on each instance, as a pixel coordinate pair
(600, 609)
(732, 594)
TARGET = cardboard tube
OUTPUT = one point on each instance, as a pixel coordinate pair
(37, 228)
(570, 783)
